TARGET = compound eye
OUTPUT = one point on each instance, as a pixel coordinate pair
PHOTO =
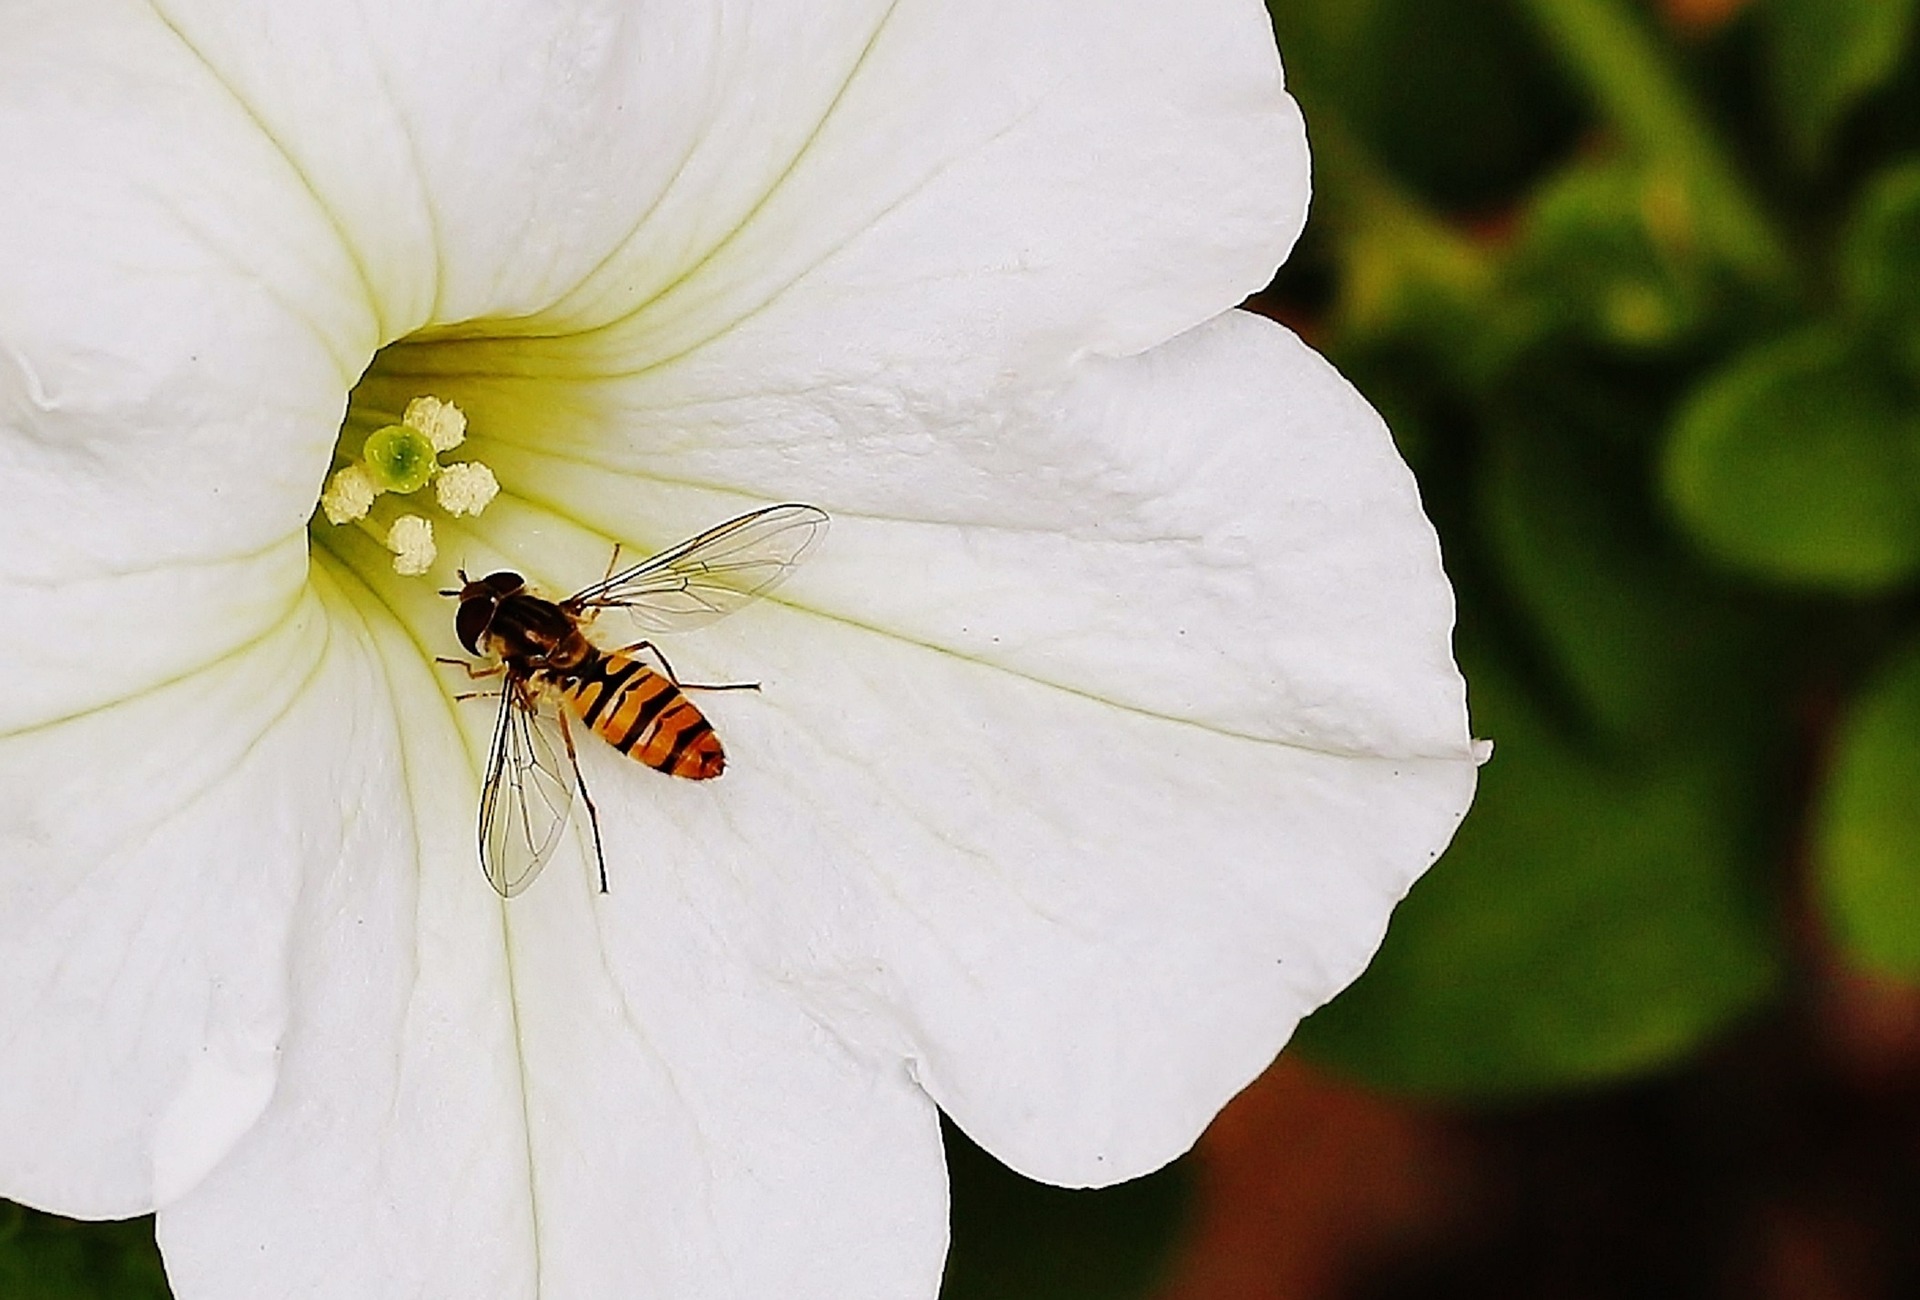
(472, 620)
(505, 582)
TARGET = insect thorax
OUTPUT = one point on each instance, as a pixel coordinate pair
(530, 634)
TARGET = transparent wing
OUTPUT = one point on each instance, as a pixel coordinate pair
(710, 576)
(527, 793)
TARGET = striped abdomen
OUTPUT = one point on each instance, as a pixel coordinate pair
(641, 714)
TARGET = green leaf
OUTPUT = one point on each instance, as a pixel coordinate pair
(1826, 54)
(1595, 917)
(1636, 84)
(43, 1257)
(1869, 825)
(1014, 1239)
(1612, 248)
(1880, 258)
(1801, 461)
(1383, 65)
(1647, 646)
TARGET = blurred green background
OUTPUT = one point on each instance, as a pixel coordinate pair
(1638, 287)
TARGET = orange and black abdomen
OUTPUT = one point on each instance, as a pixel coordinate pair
(642, 714)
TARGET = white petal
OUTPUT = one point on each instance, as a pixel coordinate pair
(1081, 806)
(1219, 530)
(568, 1094)
(775, 196)
(993, 183)
(152, 850)
(178, 327)
(1133, 155)
(1086, 927)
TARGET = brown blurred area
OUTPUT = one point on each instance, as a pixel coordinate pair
(1700, 16)
(1783, 1165)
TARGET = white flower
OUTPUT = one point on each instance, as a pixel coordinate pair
(1092, 749)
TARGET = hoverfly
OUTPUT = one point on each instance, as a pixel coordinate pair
(550, 669)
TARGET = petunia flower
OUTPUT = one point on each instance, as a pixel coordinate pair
(1093, 746)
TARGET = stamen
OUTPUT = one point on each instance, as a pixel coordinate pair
(401, 459)
(349, 495)
(465, 488)
(443, 423)
(411, 541)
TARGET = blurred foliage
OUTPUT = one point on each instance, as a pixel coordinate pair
(1596, 919)
(1015, 1238)
(1640, 298)
(1825, 54)
(47, 1258)
(1800, 459)
(1656, 360)
(1879, 267)
(1869, 826)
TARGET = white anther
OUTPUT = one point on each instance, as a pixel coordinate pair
(349, 495)
(411, 541)
(444, 424)
(465, 488)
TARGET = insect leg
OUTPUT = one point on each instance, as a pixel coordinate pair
(473, 674)
(648, 647)
(613, 563)
(580, 784)
(476, 695)
(587, 610)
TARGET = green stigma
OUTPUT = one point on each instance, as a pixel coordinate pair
(399, 458)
